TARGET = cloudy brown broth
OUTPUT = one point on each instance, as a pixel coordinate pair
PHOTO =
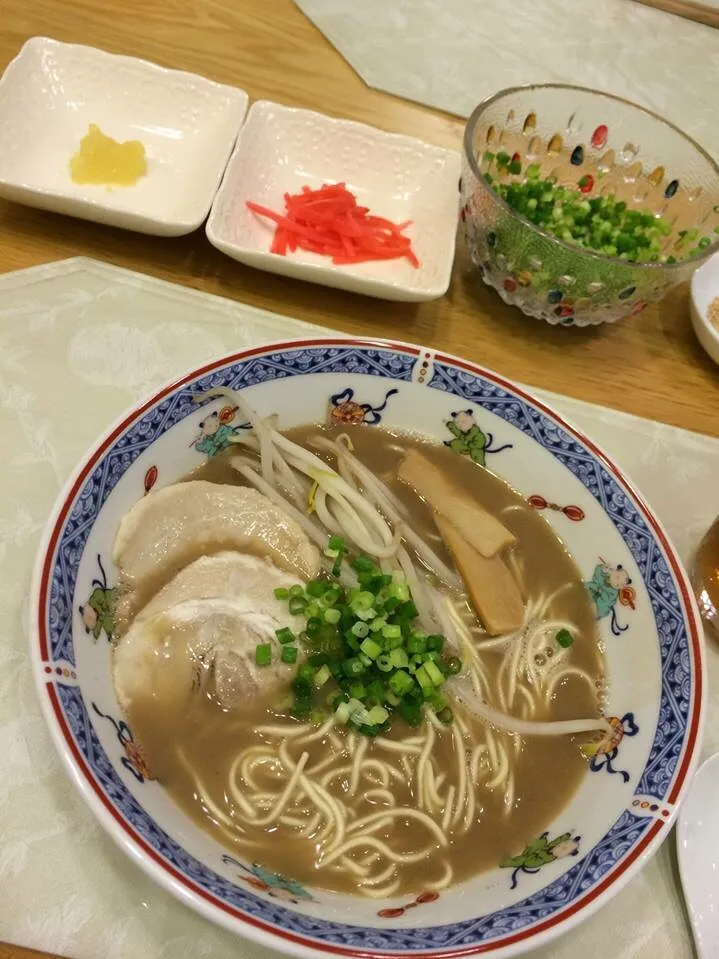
(201, 743)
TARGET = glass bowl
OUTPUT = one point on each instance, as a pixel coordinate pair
(598, 144)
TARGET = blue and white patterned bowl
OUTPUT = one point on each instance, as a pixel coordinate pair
(621, 812)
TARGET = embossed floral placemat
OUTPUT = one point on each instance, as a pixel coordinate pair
(79, 342)
(452, 55)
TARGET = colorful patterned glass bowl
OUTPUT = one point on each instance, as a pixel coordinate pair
(598, 144)
(648, 622)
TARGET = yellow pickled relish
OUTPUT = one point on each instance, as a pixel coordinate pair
(102, 161)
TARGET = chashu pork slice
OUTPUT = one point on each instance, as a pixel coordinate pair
(201, 631)
(230, 575)
(200, 647)
(174, 526)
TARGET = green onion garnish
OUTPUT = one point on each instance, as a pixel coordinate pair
(564, 638)
(363, 642)
(454, 665)
(263, 654)
(577, 215)
(321, 676)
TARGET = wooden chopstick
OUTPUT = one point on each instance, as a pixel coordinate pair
(687, 9)
(19, 952)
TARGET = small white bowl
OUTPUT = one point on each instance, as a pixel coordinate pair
(52, 91)
(704, 288)
(282, 149)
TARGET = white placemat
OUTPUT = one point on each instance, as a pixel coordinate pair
(453, 54)
(79, 342)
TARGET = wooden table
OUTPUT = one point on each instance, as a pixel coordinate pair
(650, 365)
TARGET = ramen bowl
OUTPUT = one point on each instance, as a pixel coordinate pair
(598, 145)
(635, 777)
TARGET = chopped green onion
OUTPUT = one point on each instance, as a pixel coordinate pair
(434, 673)
(384, 663)
(577, 215)
(365, 643)
(263, 654)
(321, 676)
(306, 673)
(301, 687)
(445, 716)
(423, 678)
(400, 682)
(375, 691)
(358, 691)
(564, 638)
(353, 667)
(410, 712)
(342, 713)
(438, 702)
(281, 593)
(377, 715)
(454, 665)
(399, 591)
(317, 587)
(416, 644)
(398, 658)
(370, 648)
(301, 708)
(408, 610)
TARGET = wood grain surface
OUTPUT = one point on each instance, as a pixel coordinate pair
(8, 951)
(691, 10)
(650, 365)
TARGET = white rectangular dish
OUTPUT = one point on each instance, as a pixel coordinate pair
(52, 91)
(281, 149)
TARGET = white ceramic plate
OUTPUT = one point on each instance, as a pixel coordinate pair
(52, 91)
(704, 288)
(281, 149)
(648, 623)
